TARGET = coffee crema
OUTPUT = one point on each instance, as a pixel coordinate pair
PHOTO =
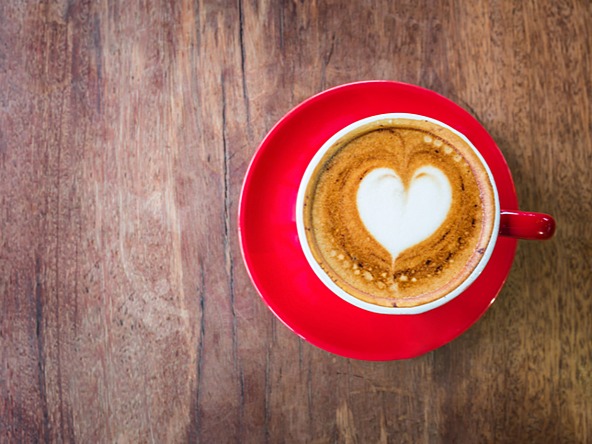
(399, 212)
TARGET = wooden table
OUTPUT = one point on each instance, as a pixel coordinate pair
(127, 314)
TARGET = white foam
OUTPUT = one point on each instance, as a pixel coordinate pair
(399, 218)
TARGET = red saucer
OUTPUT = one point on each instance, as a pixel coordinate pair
(272, 252)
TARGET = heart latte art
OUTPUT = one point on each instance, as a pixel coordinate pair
(398, 212)
(399, 218)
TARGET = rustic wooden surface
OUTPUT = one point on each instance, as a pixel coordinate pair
(126, 312)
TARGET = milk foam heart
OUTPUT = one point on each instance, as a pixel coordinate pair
(399, 218)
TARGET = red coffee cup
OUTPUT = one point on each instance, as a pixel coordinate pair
(273, 253)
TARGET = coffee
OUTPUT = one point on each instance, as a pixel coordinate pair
(399, 212)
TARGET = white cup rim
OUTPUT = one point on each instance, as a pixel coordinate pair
(329, 282)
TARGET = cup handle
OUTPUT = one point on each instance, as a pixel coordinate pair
(526, 225)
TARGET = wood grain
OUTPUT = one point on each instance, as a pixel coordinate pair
(127, 313)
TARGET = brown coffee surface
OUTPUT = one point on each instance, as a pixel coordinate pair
(348, 252)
